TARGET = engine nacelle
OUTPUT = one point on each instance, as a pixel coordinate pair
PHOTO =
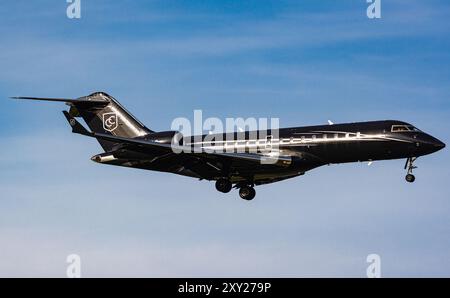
(103, 158)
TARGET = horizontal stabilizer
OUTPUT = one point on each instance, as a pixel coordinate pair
(68, 100)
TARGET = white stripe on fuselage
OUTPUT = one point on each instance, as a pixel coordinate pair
(307, 139)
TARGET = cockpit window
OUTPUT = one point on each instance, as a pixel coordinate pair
(403, 128)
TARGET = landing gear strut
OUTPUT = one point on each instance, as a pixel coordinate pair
(247, 192)
(410, 166)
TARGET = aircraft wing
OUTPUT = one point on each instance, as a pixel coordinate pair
(248, 157)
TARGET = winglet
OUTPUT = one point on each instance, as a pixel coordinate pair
(76, 126)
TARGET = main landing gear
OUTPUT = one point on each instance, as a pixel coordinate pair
(246, 191)
(410, 166)
(223, 185)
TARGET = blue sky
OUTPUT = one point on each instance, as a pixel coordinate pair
(302, 61)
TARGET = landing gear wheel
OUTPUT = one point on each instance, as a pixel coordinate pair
(247, 193)
(410, 178)
(409, 165)
(223, 185)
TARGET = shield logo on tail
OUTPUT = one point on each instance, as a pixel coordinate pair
(110, 121)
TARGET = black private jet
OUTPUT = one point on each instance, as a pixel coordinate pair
(242, 159)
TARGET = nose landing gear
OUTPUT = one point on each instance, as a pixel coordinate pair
(410, 166)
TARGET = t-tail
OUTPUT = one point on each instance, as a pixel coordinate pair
(103, 114)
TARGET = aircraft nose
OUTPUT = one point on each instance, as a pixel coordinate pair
(428, 144)
(434, 143)
(438, 144)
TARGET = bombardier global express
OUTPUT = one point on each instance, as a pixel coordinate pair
(241, 160)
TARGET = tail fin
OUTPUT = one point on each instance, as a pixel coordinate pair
(109, 118)
(103, 114)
